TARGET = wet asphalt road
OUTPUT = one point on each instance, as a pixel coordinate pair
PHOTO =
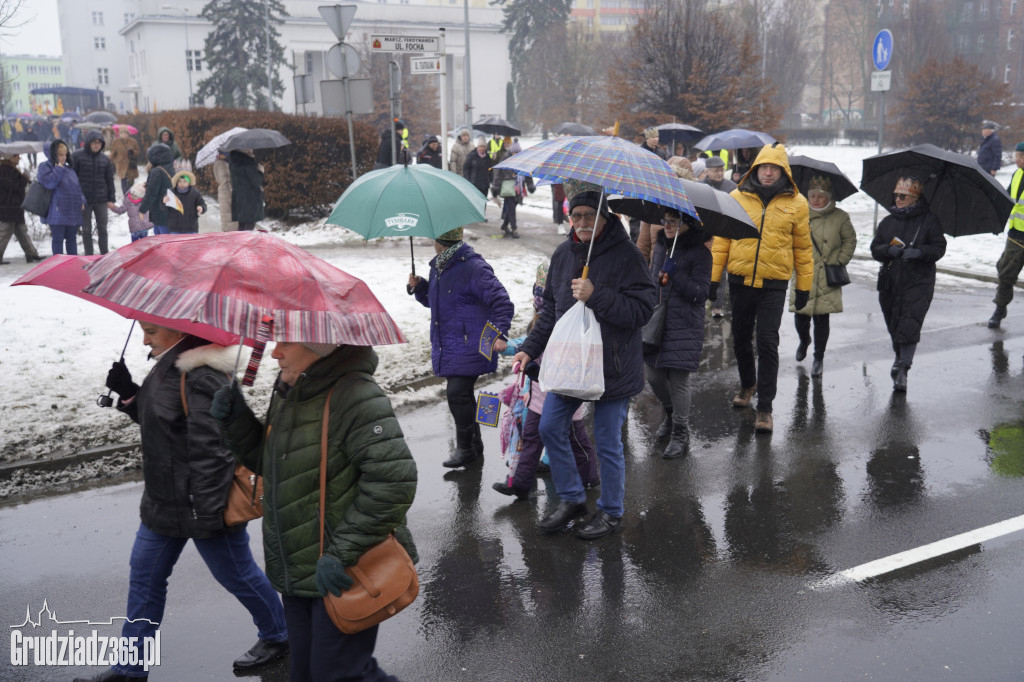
(712, 576)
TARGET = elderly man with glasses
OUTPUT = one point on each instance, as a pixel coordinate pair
(621, 294)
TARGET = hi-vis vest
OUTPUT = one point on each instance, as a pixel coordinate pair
(494, 147)
(722, 153)
(1017, 214)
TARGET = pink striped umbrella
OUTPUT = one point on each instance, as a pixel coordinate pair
(231, 280)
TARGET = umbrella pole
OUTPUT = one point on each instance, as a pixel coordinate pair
(106, 400)
(586, 267)
(672, 251)
(412, 254)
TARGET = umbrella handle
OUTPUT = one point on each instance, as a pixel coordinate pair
(586, 271)
(106, 400)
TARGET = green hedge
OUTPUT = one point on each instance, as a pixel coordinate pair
(304, 178)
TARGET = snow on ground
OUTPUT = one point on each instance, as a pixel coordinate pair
(57, 348)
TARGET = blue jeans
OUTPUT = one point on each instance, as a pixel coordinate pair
(320, 652)
(61, 234)
(555, 427)
(161, 229)
(230, 561)
(136, 236)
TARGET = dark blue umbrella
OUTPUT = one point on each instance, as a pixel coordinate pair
(571, 128)
(736, 138)
(70, 116)
(671, 133)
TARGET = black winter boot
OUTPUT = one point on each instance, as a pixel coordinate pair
(464, 453)
(899, 382)
(680, 443)
(478, 441)
(997, 316)
(665, 427)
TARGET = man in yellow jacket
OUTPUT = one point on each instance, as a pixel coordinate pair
(759, 271)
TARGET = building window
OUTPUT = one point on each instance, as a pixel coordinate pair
(14, 68)
(1013, 7)
(99, 43)
(981, 42)
(1006, 74)
(97, 18)
(131, 47)
(102, 77)
(194, 60)
(1009, 39)
(983, 10)
(309, 62)
(129, 17)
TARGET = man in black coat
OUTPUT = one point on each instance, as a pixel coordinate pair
(96, 175)
(621, 294)
(247, 202)
(384, 150)
(990, 153)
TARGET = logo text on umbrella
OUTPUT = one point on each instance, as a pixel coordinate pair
(402, 221)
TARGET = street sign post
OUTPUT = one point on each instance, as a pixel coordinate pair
(358, 100)
(419, 65)
(343, 67)
(881, 81)
(338, 17)
(413, 44)
(881, 49)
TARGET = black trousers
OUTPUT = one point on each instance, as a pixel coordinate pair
(803, 328)
(761, 309)
(461, 401)
(101, 212)
(320, 652)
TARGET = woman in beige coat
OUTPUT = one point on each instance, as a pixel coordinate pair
(222, 174)
(833, 242)
(124, 153)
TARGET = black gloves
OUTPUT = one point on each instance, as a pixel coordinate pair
(894, 251)
(801, 298)
(331, 576)
(119, 380)
(228, 403)
(911, 253)
(713, 291)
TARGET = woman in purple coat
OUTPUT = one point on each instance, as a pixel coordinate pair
(464, 297)
(67, 202)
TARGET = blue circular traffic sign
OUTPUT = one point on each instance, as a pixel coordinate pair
(881, 49)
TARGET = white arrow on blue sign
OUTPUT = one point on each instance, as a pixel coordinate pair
(881, 49)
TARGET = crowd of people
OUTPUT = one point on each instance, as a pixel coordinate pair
(648, 290)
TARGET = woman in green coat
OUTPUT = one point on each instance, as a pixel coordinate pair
(371, 482)
(833, 242)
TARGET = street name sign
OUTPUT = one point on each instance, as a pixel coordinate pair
(425, 65)
(414, 44)
(881, 81)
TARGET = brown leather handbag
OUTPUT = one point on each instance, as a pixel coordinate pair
(245, 497)
(384, 580)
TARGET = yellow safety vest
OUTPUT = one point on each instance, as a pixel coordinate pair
(494, 147)
(722, 153)
(405, 137)
(1017, 214)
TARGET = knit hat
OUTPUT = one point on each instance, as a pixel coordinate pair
(321, 349)
(137, 192)
(651, 132)
(699, 166)
(820, 182)
(988, 125)
(481, 141)
(450, 237)
(909, 185)
(582, 193)
(1020, 147)
(183, 175)
(714, 162)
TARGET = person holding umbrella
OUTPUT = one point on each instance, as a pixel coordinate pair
(908, 242)
(834, 241)
(621, 294)
(683, 264)
(187, 471)
(465, 300)
(759, 271)
(247, 206)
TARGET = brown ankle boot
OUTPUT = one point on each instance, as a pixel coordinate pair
(744, 397)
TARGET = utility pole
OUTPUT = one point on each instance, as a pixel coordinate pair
(466, 71)
(270, 85)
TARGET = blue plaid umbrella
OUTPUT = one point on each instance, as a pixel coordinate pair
(620, 167)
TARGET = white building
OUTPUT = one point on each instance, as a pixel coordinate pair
(149, 54)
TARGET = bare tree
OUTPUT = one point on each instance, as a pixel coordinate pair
(849, 27)
(690, 61)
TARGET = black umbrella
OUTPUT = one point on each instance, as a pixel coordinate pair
(100, 117)
(804, 168)
(737, 138)
(965, 198)
(256, 138)
(671, 133)
(21, 147)
(570, 128)
(720, 214)
(496, 126)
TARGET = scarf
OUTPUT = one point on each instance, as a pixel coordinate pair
(444, 258)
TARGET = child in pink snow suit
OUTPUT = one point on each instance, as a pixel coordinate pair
(138, 223)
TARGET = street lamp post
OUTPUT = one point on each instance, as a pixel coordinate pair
(188, 51)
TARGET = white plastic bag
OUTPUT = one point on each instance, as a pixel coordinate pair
(574, 357)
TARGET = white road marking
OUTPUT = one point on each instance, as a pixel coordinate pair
(888, 564)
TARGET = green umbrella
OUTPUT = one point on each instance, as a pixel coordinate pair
(408, 201)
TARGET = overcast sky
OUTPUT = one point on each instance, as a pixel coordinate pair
(38, 32)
